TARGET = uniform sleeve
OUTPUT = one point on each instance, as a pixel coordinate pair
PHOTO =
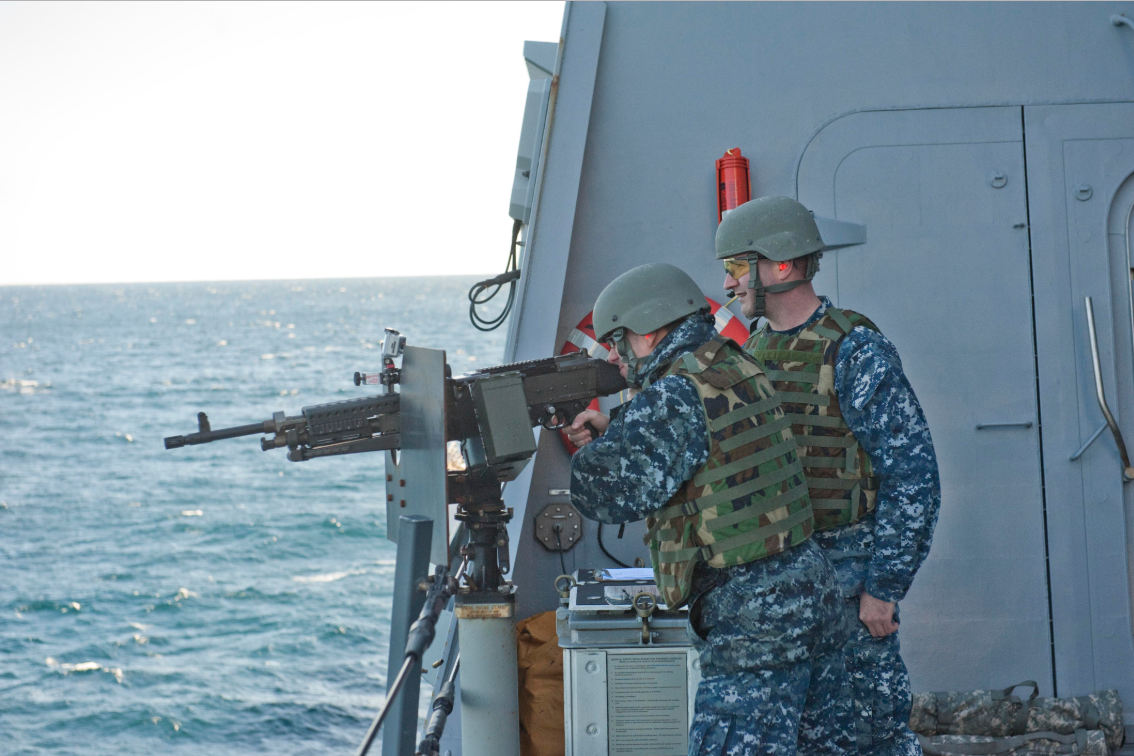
(655, 444)
(882, 411)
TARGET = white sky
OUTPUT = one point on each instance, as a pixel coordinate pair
(225, 141)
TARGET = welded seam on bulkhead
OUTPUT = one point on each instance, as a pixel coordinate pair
(1039, 411)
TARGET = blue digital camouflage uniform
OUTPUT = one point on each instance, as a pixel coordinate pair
(882, 552)
(769, 633)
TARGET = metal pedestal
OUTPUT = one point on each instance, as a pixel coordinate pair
(490, 708)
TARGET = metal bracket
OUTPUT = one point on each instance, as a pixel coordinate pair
(1091, 440)
(564, 584)
(644, 605)
(840, 233)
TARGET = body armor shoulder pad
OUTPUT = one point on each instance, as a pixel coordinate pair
(720, 362)
(848, 320)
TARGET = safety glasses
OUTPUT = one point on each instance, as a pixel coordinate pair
(616, 336)
(736, 267)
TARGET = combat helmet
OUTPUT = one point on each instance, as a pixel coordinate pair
(778, 228)
(643, 300)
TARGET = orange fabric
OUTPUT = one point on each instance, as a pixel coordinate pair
(541, 686)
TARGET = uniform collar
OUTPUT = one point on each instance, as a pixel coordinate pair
(820, 311)
(690, 336)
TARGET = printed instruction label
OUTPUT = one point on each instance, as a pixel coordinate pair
(647, 704)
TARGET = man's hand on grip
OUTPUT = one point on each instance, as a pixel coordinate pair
(579, 434)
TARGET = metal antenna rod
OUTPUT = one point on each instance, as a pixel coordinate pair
(376, 725)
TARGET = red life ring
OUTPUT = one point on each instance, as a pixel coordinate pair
(582, 336)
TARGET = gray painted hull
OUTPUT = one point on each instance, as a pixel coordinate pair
(894, 116)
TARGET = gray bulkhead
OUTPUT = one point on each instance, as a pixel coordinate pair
(989, 151)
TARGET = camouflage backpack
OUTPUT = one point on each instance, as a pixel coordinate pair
(749, 500)
(801, 367)
(996, 721)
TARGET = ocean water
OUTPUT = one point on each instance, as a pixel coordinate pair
(212, 599)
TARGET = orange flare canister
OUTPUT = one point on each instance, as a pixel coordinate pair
(733, 185)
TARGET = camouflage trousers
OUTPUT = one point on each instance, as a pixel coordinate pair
(802, 708)
(770, 635)
(882, 697)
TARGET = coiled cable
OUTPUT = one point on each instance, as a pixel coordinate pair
(480, 293)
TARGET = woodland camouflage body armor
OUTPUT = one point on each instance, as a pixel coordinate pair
(801, 367)
(750, 499)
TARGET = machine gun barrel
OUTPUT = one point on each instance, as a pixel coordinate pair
(206, 435)
(354, 425)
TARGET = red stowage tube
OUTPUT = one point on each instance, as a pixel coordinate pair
(733, 184)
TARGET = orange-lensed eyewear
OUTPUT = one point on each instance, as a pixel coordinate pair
(736, 267)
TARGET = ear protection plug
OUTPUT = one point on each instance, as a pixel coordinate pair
(783, 266)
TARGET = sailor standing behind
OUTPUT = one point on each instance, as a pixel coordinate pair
(863, 440)
(703, 453)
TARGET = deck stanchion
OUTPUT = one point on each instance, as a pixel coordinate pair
(415, 534)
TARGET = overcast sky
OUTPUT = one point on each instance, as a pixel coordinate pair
(192, 141)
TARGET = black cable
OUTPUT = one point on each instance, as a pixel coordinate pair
(442, 708)
(615, 559)
(562, 564)
(479, 294)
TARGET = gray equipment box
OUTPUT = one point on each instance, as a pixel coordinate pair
(622, 697)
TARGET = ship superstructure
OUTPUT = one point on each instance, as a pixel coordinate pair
(980, 157)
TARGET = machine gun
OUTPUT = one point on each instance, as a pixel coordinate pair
(554, 390)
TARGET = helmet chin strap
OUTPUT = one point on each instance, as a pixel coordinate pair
(622, 344)
(759, 291)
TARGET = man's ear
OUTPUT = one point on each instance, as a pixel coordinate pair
(784, 271)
